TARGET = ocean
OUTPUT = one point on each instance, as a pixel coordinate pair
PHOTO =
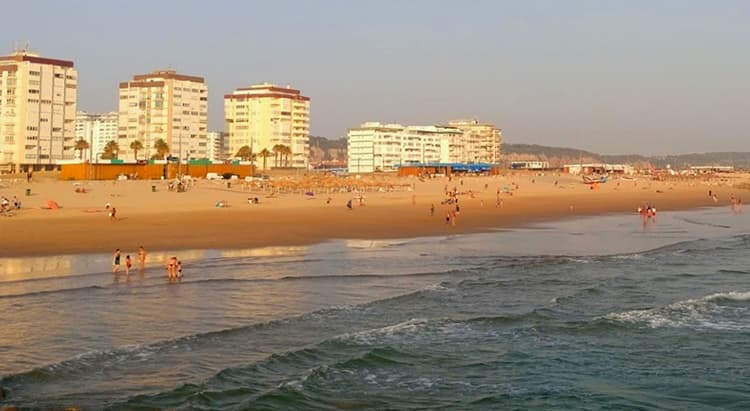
(590, 313)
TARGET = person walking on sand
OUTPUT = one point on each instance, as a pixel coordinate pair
(113, 214)
(349, 204)
(432, 210)
(141, 258)
(116, 261)
(128, 264)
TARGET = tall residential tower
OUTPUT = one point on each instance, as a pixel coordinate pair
(480, 142)
(37, 110)
(265, 116)
(164, 105)
(97, 129)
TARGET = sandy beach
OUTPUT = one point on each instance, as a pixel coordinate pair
(295, 210)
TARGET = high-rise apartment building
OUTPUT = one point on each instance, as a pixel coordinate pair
(265, 116)
(480, 142)
(37, 110)
(382, 147)
(216, 146)
(164, 105)
(97, 129)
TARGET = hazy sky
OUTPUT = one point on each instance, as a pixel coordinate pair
(647, 77)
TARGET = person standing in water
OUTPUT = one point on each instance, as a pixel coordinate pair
(116, 261)
(128, 264)
(141, 258)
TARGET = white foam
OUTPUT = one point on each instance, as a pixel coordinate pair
(700, 313)
(732, 295)
(434, 287)
(636, 256)
(368, 337)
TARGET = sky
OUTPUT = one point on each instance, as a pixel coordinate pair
(615, 77)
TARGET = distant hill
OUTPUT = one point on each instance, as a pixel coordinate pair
(325, 151)
(557, 156)
(328, 150)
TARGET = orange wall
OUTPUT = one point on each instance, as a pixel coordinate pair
(147, 171)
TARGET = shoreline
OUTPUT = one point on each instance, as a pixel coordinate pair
(169, 221)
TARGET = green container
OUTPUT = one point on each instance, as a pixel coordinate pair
(153, 189)
(229, 184)
(28, 192)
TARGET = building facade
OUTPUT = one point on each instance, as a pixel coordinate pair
(265, 116)
(97, 129)
(217, 146)
(383, 147)
(37, 111)
(164, 105)
(480, 142)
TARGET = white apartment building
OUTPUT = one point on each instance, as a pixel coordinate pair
(97, 129)
(164, 105)
(37, 111)
(382, 147)
(265, 116)
(480, 143)
(216, 146)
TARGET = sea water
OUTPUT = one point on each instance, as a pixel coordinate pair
(603, 312)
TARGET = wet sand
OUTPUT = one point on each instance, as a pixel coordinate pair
(168, 220)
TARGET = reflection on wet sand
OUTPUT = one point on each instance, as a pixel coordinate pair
(13, 269)
(265, 252)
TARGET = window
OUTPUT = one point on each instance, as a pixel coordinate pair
(34, 73)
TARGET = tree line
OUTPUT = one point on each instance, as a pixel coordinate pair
(280, 152)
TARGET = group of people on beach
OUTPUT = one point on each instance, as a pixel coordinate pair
(173, 266)
(7, 205)
(128, 261)
(647, 212)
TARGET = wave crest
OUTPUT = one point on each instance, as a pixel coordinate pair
(718, 311)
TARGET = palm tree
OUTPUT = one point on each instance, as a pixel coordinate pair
(277, 149)
(110, 150)
(265, 154)
(136, 146)
(161, 148)
(81, 145)
(286, 151)
(244, 153)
